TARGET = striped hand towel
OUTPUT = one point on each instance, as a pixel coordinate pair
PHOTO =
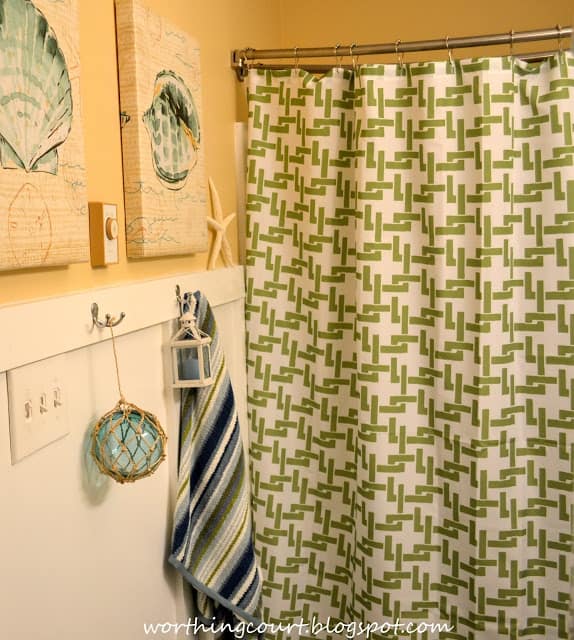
(212, 544)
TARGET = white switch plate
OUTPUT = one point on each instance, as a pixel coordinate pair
(110, 237)
(103, 233)
(38, 405)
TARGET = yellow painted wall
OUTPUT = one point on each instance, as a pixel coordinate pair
(307, 23)
(219, 26)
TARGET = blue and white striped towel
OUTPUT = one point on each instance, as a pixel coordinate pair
(212, 545)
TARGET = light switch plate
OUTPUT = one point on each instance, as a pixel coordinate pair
(38, 405)
(103, 233)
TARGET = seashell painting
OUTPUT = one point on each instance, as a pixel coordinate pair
(43, 201)
(36, 114)
(165, 182)
(172, 123)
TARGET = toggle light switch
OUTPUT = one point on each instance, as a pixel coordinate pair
(43, 403)
(104, 231)
(57, 397)
(36, 419)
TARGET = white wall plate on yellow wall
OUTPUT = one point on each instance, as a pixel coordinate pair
(103, 233)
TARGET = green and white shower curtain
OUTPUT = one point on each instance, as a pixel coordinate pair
(411, 347)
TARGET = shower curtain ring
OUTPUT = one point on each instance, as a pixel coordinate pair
(450, 61)
(296, 56)
(338, 58)
(512, 43)
(559, 29)
(353, 57)
(400, 58)
(243, 63)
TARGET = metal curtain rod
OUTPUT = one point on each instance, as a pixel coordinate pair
(241, 58)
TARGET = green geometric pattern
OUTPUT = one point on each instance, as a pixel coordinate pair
(410, 303)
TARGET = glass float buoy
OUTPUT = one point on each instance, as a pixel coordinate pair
(128, 443)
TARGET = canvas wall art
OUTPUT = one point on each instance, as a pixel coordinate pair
(165, 188)
(43, 203)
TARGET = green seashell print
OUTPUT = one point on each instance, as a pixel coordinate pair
(35, 90)
(172, 122)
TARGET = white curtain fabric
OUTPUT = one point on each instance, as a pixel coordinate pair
(410, 346)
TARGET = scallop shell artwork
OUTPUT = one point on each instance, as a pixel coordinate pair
(36, 100)
(172, 122)
(165, 186)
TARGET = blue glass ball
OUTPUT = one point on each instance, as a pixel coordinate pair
(128, 443)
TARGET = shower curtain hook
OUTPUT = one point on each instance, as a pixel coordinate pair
(353, 57)
(296, 56)
(450, 61)
(338, 58)
(400, 59)
(245, 60)
(512, 43)
(559, 29)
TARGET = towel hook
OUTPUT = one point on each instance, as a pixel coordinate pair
(109, 321)
(179, 299)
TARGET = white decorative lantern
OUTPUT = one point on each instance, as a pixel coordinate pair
(191, 354)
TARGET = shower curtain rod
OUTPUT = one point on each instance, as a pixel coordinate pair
(241, 59)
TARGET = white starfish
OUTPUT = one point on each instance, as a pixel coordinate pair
(218, 224)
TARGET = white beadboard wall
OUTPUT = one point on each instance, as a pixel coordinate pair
(80, 555)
